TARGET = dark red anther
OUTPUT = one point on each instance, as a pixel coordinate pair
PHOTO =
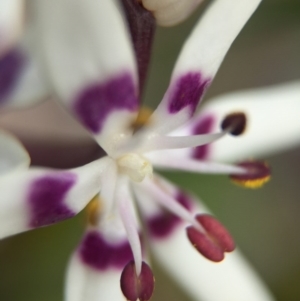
(258, 173)
(235, 123)
(137, 287)
(214, 242)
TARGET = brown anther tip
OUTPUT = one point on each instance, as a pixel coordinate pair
(258, 174)
(214, 242)
(137, 287)
(235, 123)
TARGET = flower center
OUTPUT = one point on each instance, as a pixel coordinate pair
(135, 166)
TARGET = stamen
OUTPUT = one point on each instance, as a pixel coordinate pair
(258, 173)
(108, 179)
(93, 211)
(214, 242)
(135, 286)
(167, 201)
(187, 164)
(234, 123)
(176, 142)
(127, 213)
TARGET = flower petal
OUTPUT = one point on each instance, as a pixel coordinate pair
(232, 279)
(200, 59)
(87, 284)
(22, 81)
(40, 197)
(11, 21)
(92, 68)
(13, 156)
(271, 125)
(95, 269)
(171, 12)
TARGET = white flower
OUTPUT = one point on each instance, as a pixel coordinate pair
(81, 51)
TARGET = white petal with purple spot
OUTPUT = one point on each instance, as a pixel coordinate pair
(91, 64)
(200, 59)
(41, 197)
(95, 269)
(22, 78)
(272, 125)
(86, 284)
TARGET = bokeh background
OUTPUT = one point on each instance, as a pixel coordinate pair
(265, 222)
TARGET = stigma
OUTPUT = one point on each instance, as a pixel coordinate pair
(135, 166)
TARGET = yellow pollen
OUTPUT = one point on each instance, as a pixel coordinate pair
(93, 210)
(252, 183)
(142, 119)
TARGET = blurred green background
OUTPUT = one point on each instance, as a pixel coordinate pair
(265, 222)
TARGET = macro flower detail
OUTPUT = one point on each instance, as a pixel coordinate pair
(11, 21)
(92, 69)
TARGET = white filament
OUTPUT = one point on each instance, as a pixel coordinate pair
(108, 180)
(127, 213)
(187, 164)
(171, 142)
(168, 202)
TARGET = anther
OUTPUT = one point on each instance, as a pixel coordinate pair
(234, 123)
(258, 173)
(142, 119)
(93, 211)
(135, 286)
(214, 242)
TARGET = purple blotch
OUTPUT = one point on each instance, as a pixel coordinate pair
(163, 224)
(187, 91)
(11, 67)
(96, 102)
(97, 253)
(203, 126)
(46, 197)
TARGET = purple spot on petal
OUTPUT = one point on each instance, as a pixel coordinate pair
(203, 126)
(96, 252)
(164, 223)
(187, 91)
(11, 66)
(46, 197)
(96, 102)
(184, 199)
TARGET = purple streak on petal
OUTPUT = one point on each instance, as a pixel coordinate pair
(164, 223)
(142, 28)
(46, 197)
(187, 91)
(99, 254)
(96, 102)
(203, 126)
(11, 66)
